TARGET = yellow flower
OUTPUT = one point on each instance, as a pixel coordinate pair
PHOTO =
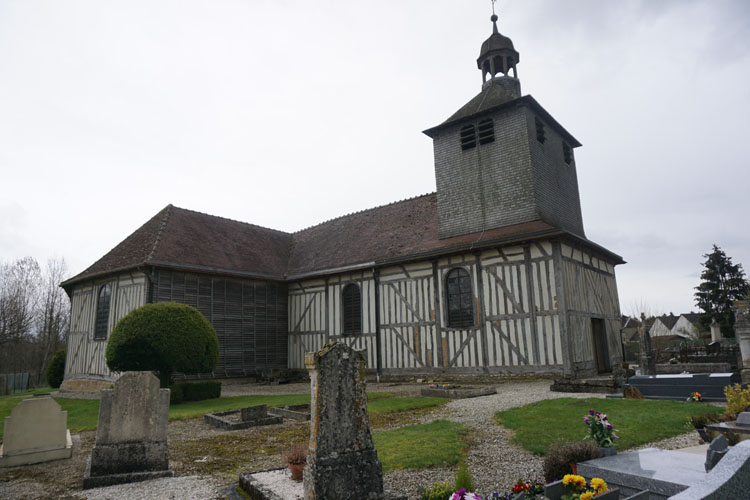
(575, 480)
(599, 485)
(587, 495)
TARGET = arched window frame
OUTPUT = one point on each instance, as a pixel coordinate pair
(351, 309)
(459, 298)
(101, 318)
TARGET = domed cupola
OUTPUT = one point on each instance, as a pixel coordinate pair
(497, 57)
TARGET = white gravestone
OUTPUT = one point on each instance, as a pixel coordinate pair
(36, 431)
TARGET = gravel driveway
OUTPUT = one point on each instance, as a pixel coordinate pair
(495, 463)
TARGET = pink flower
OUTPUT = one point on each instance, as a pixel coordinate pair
(586, 420)
(591, 412)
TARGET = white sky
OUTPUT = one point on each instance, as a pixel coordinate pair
(286, 113)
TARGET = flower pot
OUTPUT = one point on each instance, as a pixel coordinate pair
(609, 451)
(296, 471)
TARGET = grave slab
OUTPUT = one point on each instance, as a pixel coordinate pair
(131, 437)
(231, 420)
(457, 392)
(729, 479)
(663, 473)
(680, 386)
(292, 412)
(36, 431)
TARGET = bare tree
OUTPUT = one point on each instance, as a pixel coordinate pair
(53, 319)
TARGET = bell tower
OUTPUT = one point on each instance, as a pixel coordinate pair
(501, 159)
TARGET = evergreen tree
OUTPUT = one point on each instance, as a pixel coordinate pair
(721, 284)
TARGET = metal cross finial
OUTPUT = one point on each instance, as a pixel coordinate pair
(493, 6)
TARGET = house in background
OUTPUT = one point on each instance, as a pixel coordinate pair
(492, 274)
(668, 325)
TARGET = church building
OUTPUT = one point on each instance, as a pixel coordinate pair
(491, 274)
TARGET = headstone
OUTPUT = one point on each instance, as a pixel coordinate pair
(715, 331)
(647, 360)
(254, 413)
(716, 451)
(729, 479)
(36, 431)
(632, 392)
(743, 418)
(742, 330)
(131, 438)
(341, 460)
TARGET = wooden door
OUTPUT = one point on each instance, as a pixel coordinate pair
(601, 353)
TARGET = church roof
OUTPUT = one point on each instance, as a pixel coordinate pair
(193, 241)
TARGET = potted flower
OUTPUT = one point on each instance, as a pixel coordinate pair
(295, 459)
(462, 494)
(601, 431)
(577, 488)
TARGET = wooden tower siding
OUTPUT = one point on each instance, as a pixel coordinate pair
(85, 355)
(250, 317)
(518, 305)
(590, 291)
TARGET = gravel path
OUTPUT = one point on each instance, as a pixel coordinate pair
(495, 463)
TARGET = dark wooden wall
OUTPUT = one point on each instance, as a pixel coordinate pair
(250, 317)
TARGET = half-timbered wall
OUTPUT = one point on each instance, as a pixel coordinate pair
(85, 356)
(590, 293)
(250, 317)
(520, 325)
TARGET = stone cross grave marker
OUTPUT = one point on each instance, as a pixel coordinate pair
(36, 431)
(131, 438)
(341, 461)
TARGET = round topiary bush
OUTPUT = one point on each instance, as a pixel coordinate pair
(166, 337)
(56, 369)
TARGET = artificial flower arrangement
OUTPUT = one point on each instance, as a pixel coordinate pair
(696, 396)
(581, 490)
(462, 494)
(600, 430)
(529, 489)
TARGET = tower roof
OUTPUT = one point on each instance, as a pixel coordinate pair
(496, 43)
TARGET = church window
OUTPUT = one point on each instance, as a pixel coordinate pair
(352, 309)
(460, 298)
(486, 131)
(567, 153)
(539, 130)
(468, 137)
(102, 313)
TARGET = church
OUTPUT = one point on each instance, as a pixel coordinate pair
(491, 274)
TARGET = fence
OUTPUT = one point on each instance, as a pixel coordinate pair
(712, 353)
(11, 383)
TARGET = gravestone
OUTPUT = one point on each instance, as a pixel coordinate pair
(36, 431)
(131, 438)
(252, 416)
(742, 329)
(715, 331)
(342, 463)
(716, 451)
(647, 361)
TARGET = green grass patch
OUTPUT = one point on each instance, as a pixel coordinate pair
(194, 409)
(417, 446)
(541, 424)
(393, 405)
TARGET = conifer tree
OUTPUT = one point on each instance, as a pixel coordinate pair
(721, 284)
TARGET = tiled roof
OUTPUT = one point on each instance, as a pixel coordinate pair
(401, 231)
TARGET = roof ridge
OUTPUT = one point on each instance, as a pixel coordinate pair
(162, 224)
(363, 210)
(231, 220)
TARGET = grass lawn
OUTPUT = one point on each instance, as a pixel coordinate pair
(83, 414)
(419, 446)
(541, 424)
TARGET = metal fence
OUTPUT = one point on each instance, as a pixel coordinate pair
(11, 383)
(712, 353)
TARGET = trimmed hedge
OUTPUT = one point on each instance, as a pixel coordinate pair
(557, 460)
(56, 369)
(197, 391)
(166, 337)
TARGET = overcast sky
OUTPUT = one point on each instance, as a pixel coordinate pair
(286, 113)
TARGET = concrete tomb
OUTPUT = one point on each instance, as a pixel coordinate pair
(729, 479)
(131, 438)
(36, 431)
(680, 386)
(341, 462)
(252, 416)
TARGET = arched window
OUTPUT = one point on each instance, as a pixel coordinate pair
(102, 313)
(486, 131)
(460, 298)
(352, 309)
(468, 137)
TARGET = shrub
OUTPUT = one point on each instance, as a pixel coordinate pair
(557, 460)
(201, 390)
(56, 369)
(701, 421)
(166, 337)
(175, 394)
(438, 491)
(738, 399)
(463, 478)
